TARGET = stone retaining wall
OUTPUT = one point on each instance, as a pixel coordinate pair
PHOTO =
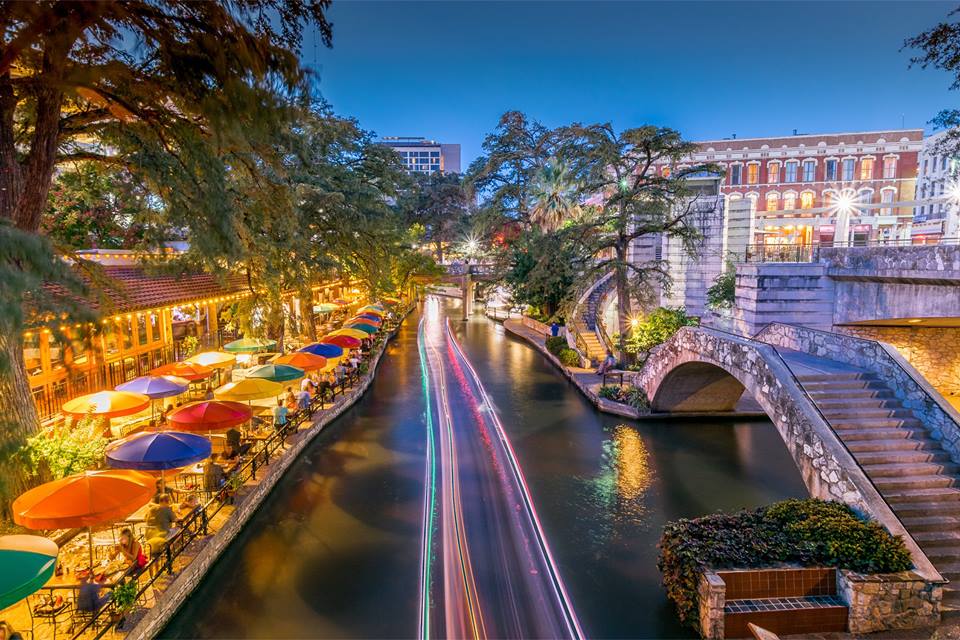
(173, 597)
(908, 385)
(889, 601)
(711, 599)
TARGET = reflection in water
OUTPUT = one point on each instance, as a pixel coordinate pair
(334, 552)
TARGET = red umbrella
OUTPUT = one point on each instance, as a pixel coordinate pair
(210, 415)
(345, 342)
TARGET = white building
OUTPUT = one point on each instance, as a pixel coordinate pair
(420, 155)
(935, 215)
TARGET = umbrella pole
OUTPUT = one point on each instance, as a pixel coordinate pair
(90, 544)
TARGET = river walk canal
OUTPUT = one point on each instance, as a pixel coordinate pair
(335, 551)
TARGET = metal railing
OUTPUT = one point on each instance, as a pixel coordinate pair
(811, 252)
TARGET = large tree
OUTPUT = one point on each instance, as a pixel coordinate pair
(439, 204)
(176, 92)
(939, 48)
(505, 174)
(623, 172)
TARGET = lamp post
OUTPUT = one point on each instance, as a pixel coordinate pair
(844, 208)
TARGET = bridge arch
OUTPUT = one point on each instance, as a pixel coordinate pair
(698, 387)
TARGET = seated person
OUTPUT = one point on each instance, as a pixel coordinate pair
(303, 401)
(608, 363)
(308, 385)
(89, 598)
(280, 415)
(188, 505)
(7, 632)
(130, 549)
(161, 490)
(235, 447)
(213, 475)
(290, 400)
(161, 518)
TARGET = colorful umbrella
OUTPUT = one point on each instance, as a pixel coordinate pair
(361, 326)
(325, 307)
(376, 320)
(187, 370)
(323, 349)
(84, 500)
(214, 359)
(250, 345)
(303, 360)
(249, 389)
(107, 404)
(276, 372)
(155, 387)
(212, 415)
(345, 342)
(157, 451)
(392, 301)
(353, 333)
(372, 309)
(28, 562)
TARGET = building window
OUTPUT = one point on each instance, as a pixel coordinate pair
(735, 173)
(865, 196)
(848, 166)
(111, 345)
(128, 334)
(773, 172)
(890, 167)
(806, 200)
(886, 197)
(789, 201)
(866, 169)
(155, 327)
(828, 199)
(665, 172)
(78, 350)
(772, 201)
(142, 329)
(791, 171)
(56, 353)
(809, 171)
(31, 353)
(831, 171)
(753, 173)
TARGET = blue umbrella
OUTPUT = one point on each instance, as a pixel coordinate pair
(157, 451)
(370, 316)
(155, 387)
(323, 349)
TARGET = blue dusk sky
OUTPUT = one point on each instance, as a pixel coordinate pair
(447, 70)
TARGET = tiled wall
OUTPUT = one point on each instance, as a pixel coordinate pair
(779, 583)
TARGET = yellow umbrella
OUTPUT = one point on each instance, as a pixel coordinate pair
(107, 404)
(213, 359)
(249, 389)
(353, 333)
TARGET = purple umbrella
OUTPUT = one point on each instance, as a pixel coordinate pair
(155, 387)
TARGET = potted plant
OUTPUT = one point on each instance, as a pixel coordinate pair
(124, 597)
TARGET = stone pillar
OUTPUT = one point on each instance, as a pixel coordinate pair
(712, 597)
(466, 289)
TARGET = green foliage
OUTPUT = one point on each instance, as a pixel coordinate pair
(802, 532)
(722, 292)
(542, 270)
(568, 357)
(94, 205)
(124, 596)
(439, 204)
(628, 395)
(555, 344)
(189, 346)
(657, 328)
(62, 450)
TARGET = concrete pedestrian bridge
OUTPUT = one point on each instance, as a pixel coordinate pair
(862, 425)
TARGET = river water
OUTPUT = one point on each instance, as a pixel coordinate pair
(335, 551)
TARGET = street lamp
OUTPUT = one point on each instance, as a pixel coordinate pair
(844, 208)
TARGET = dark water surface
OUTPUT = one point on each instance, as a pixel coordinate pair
(334, 552)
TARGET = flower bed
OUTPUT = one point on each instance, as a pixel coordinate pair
(799, 532)
(628, 395)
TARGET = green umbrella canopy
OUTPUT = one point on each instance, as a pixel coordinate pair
(359, 326)
(325, 307)
(28, 562)
(250, 345)
(276, 372)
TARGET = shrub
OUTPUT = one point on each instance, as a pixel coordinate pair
(556, 344)
(568, 357)
(657, 328)
(633, 396)
(805, 532)
(61, 450)
(610, 393)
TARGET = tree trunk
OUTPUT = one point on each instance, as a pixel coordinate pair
(624, 306)
(18, 421)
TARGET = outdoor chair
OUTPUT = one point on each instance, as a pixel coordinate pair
(50, 616)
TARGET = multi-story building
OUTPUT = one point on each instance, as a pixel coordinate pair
(935, 216)
(420, 155)
(828, 189)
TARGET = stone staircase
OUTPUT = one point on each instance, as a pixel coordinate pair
(585, 323)
(912, 472)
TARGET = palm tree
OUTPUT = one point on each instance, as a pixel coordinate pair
(554, 193)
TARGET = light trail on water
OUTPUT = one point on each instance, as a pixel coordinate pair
(498, 578)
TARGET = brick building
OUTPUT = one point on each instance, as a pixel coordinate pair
(794, 184)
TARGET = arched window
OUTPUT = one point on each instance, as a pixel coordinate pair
(806, 200)
(773, 201)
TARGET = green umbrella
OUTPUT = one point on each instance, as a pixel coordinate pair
(28, 562)
(359, 326)
(250, 345)
(325, 307)
(276, 372)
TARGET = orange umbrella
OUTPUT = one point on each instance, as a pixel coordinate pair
(107, 404)
(210, 415)
(302, 360)
(84, 500)
(189, 370)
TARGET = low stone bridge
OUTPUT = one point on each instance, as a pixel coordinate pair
(707, 370)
